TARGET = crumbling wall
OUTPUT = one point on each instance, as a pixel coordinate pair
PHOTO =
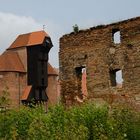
(96, 50)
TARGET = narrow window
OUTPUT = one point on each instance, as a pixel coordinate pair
(116, 36)
(112, 77)
(119, 78)
(81, 81)
(116, 77)
(78, 71)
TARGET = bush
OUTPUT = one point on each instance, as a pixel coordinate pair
(85, 122)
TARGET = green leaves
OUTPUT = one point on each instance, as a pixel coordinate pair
(4, 99)
(83, 122)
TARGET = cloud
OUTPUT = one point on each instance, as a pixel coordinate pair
(12, 25)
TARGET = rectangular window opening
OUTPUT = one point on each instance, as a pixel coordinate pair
(81, 81)
(116, 36)
(79, 71)
(116, 78)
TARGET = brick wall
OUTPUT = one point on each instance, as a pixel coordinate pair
(96, 50)
(53, 90)
(16, 83)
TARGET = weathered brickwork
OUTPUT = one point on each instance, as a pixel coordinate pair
(95, 50)
(13, 83)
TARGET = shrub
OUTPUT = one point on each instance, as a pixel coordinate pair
(83, 122)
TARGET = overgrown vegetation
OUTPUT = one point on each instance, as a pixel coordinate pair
(4, 98)
(85, 122)
(75, 28)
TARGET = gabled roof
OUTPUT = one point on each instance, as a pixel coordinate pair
(29, 39)
(51, 70)
(10, 61)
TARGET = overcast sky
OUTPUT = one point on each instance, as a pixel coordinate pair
(23, 16)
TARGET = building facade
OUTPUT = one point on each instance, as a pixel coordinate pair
(110, 54)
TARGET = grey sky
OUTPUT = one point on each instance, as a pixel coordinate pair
(21, 16)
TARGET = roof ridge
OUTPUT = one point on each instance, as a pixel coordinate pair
(29, 39)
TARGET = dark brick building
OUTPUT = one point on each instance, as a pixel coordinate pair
(103, 51)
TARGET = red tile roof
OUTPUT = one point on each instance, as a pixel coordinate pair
(10, 61)
(26, 92)
(51, 70)
(34, 38)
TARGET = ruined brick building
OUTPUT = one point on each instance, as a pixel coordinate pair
(102, 51)
(25, 70)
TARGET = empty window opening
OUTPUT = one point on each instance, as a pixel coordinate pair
(79, 71)
(81, 81)
(119, 78)
(116, 77)
(116, 36)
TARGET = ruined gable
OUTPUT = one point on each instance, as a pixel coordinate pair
(104, 51)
